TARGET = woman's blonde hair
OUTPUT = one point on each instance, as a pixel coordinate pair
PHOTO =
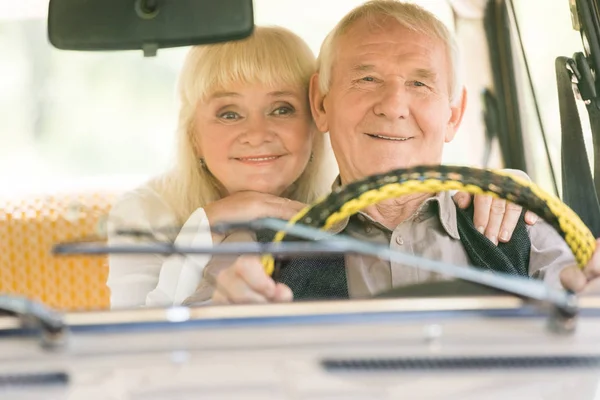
(270, 56)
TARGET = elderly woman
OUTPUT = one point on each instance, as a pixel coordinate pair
(247, 148)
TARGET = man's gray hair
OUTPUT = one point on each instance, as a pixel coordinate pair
(410, 16)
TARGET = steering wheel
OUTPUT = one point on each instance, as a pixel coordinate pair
(350, 199)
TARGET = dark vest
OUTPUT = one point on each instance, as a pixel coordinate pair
(325, 277)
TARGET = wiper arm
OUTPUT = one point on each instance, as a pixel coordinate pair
(34, 314)
(564, 304)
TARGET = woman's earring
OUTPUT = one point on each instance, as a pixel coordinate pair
(311, 157)
(202, 163)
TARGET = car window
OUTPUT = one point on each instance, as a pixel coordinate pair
(545, 39)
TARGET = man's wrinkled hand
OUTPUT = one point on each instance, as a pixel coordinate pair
(496, 218)
(583, 281)
(246, 282)
(493, 217)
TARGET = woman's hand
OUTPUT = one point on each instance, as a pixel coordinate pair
(495, 218)
(243, 206)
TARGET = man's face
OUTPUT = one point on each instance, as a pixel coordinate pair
(388, 106)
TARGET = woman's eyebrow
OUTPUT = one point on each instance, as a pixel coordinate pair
(283, 93)
(218, 95)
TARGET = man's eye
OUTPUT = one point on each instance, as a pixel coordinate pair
(229, 115)
(418, 84)
(283, 110)
(368, 79)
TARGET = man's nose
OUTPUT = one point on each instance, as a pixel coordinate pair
(256, 131)
(393, 102)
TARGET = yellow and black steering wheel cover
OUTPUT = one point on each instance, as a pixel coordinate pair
(350, 199)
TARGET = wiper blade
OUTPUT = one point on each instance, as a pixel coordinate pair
(36, 315)
(322, 243)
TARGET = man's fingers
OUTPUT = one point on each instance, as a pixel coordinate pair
(235, 290)
(283, 293)
(219, 298)
(509, 222)
(592, 269)
(462, 199)
(572, 278)
(531, 218)
(251, 271)
(481, 214)
(586, 281)
(592, 288)
(244, 282)
(497, 212)
(495, 215)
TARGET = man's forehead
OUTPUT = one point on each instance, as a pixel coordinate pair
(364, 48)
(417, 63)
(383, 26)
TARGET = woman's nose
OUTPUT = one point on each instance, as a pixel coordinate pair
(256, 131)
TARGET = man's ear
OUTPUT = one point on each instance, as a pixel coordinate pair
(458, 112)
(317, 104)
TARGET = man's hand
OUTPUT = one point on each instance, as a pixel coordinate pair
(246, 282)
(586, 281)
(495, 218)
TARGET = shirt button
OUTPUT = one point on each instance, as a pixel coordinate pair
(399, 240)
(368, 229)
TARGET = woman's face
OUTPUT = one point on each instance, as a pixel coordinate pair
(255, 138)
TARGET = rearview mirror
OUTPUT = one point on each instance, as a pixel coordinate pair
(149, 25)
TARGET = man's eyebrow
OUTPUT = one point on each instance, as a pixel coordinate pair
(425, 73)
(363, 68)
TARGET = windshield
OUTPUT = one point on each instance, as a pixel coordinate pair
(79, 129)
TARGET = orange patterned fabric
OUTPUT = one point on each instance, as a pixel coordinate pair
(30, 226)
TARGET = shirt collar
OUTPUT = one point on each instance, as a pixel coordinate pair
(446, 212)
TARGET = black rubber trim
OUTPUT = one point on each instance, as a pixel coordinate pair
(459, 363)
(33, 379)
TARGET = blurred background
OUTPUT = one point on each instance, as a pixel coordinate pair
(76, 120)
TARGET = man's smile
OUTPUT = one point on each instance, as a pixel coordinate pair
(392, 138)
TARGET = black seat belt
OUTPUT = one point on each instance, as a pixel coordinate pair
(578, 188)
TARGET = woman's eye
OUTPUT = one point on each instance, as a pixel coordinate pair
(229, 115)
(283, 110)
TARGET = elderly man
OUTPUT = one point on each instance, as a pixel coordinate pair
(388, 93)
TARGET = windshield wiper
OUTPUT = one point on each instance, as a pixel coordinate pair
(562, 303)
(37, 316)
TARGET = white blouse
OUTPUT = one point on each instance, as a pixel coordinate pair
(154, 280)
